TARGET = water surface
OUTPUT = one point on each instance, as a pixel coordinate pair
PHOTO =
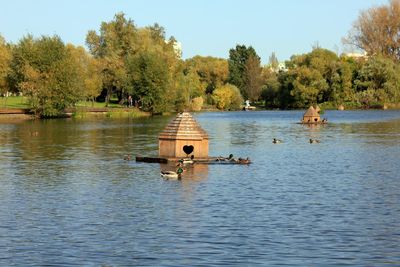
(69, 199)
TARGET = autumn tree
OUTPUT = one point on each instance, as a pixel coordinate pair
(5, 59)
(212, 72)
(45, 71)
(377, 30)
(273, 62)
(227, 97)
(89, 69)
(253, 78)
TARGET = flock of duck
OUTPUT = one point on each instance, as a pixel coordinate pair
(177, 175)
(312, 141)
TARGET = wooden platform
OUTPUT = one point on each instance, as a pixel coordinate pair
(209, 160)
(314, 123)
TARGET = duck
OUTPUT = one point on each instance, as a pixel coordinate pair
(244, 161)
(127, 157)
(171, 175)
(314, 141)
(187, 160)
(276, 141)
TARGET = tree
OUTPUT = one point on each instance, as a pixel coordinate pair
(270, 89)
(253, 82)
(151, 82)
(5, 59)
(378, 81)
(212, 72)
(89, 72)
(237, 66)
(273, 62)
(227, 97)
(45, 71)
(116, 41)
(120, 46)
(377, 30)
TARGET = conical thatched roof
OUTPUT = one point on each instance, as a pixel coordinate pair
(311, 112)
(184, 126)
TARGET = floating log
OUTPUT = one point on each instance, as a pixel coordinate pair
(209, 160)
(152, 160)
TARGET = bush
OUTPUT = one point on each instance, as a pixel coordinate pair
(227, 97)
(197, 103)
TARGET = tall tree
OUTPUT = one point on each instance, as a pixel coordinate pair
(377, 30)
(89, 71)
(253, 82)
(5, 59)
(116, 41)
(273, 62)
(237, 66)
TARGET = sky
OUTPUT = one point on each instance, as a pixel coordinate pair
(203, 27)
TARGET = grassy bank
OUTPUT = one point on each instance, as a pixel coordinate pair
(82, 113)
(14, 102)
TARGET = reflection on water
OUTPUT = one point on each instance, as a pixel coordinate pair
(69, 198)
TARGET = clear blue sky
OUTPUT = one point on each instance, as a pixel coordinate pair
(204, 27)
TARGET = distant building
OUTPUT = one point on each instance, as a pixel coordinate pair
(356, 55)
(281, 67)
(177, 48)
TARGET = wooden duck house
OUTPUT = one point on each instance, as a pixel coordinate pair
(183, 137)
(311, 116)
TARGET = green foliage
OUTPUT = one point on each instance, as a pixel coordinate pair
(18, 102)
(238, 58)
(378, 81)
(5, 60)
(197, 103)
(151, 81)
(124, 51)
(45, 71)
(271, 90)
(227, 97)
(211, 72)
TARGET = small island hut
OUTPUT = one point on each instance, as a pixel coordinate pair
(183, 137)
(311, 116)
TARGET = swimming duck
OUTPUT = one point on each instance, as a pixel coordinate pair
(186, 161)
(244, 161)
(276, 141)
(127, 157)
(314, 141)
(171, 175)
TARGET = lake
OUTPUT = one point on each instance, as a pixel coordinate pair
(68, 198)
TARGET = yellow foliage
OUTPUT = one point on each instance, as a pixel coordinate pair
(197, 103)
(227, 97)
